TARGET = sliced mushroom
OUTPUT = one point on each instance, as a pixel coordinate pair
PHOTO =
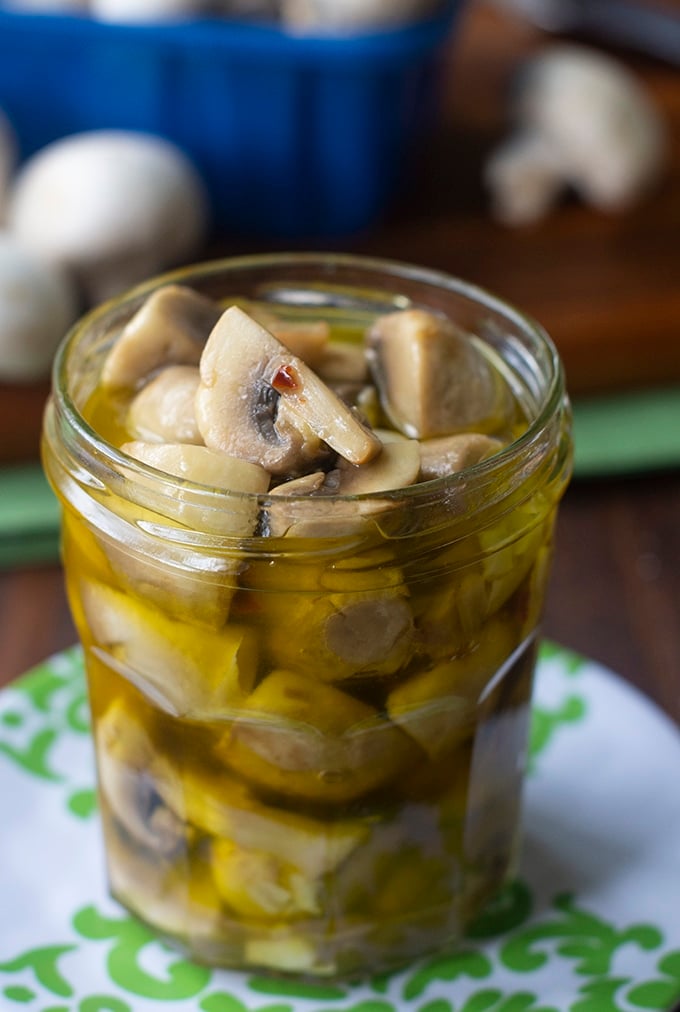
(427, 707)
(170, 328)
(287, 513)
(448, 454)
(146, 559)
(309, 510)
(186, 672)
(131, 771)
(476, 672)
(200, 465)
(402, 866)
(163, 410)
(400, 869)
(175, 898)
(433, 381)
(397, 466)
(306, 484)
(258, 884)
(307, 339)
(511, 547)
(342, 362)
(307, 740)
(350, 621)
(177, 579)
(318, 514)
(308, 398)
(451, 607)
(369, 632)
(287, 951)
(148, 553)
(221, 805)
(258, 401)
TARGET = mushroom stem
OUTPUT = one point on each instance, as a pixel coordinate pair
(525, 179)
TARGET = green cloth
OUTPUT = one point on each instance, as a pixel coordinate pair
(617, 434)
(627, 433)
(29, 517)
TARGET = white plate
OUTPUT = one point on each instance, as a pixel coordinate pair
(591, 925)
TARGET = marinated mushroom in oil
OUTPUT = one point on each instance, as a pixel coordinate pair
(314, 741)
(163, 410)
(131, 772)
(293, 691)
(432, 378)
(170, 328)
(218, 471)
(258, 401)
(450, 454)
(160, 655)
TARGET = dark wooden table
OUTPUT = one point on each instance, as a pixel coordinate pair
(605, 287)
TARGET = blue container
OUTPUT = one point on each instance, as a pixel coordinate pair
(293, 136)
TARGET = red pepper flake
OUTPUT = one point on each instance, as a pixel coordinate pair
(286, 379)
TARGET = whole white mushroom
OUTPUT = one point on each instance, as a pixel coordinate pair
(141, 11)
(47, 6)
(351, 15)
(37, 306)
(582, 121)
(111, 207)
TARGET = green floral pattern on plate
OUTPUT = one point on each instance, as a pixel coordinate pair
(520, 942)
(50, 702)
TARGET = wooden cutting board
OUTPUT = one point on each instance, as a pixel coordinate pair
(21, 409)
(607, 288)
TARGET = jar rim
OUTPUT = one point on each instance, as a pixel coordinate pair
(553, 396)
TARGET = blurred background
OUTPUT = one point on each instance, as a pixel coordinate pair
(529, 146)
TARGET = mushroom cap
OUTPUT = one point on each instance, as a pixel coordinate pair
(606, 131)
(37, 306)
(105, 198)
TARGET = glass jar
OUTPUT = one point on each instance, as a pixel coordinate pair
(311, 739)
